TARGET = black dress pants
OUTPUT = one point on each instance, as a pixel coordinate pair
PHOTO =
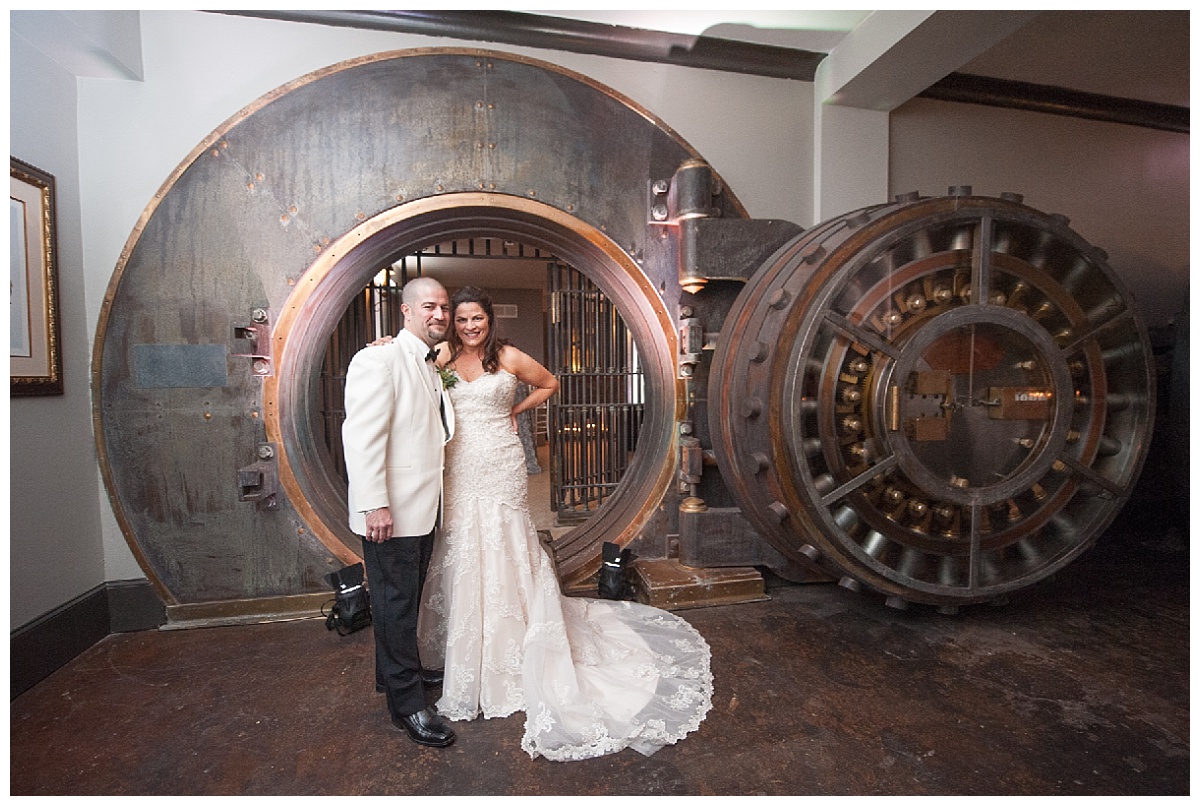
(395, 576)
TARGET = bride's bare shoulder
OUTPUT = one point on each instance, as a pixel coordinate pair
(509, 353)
(511, 359)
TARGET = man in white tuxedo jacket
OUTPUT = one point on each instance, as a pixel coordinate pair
(398, 420)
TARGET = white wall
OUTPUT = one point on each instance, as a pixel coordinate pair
(54, 482)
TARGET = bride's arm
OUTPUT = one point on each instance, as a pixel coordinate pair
(541, 381)
(442, 347)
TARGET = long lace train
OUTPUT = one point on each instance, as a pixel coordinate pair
(593, 676)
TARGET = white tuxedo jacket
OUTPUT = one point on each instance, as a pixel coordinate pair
(394, 437)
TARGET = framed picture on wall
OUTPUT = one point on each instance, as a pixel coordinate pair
(35, 363)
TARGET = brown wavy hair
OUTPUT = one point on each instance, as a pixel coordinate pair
(493, 342)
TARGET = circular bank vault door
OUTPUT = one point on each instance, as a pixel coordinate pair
(941, 399)
(210, 340)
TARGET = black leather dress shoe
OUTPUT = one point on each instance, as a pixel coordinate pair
(425, 727)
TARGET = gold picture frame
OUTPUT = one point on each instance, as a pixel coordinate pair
(35, 349)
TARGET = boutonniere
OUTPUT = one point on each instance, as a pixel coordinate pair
(448, 377)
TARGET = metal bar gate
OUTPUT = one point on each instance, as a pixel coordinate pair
(374, 312)
(594, 419)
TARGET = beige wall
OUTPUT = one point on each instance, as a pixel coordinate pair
(528, 331)
(1126, 189)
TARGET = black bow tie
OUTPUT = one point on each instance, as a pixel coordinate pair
(431, 355)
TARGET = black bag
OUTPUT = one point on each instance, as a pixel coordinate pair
(351, 606)
(614, 580)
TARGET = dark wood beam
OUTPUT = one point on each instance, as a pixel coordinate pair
(972, 89)
(575, 36)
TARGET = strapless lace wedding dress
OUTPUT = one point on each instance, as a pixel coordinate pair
(593, 676)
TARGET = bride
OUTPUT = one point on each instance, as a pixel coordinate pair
(592, 676)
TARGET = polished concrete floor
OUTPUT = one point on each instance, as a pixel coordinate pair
(1076, 687)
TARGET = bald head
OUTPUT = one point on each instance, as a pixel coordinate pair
(426, 308)
(414, 289)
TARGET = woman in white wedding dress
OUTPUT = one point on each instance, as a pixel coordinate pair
(593, 676)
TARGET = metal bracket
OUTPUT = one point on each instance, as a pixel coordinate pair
(691, 344)
(253, 341)
(259, 482)
(691, 460)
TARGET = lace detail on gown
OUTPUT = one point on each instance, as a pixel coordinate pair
(593, 676)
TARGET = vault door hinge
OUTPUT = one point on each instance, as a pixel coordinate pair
(252, 340)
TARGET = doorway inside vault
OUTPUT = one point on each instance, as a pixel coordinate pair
(579, 443)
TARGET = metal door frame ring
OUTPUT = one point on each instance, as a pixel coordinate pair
(322, 292)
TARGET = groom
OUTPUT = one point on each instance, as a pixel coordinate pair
(394, 436)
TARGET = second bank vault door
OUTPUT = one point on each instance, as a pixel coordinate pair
(814, 402)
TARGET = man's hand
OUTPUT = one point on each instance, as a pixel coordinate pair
(379, 525)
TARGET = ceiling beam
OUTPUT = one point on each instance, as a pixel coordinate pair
(971, 89)
(574, 36)
(892, 56)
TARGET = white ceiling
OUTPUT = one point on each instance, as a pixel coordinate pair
(487, 272)
(818, 31)
(1141, 55)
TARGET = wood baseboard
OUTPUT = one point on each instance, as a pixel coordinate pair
(49, 642)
